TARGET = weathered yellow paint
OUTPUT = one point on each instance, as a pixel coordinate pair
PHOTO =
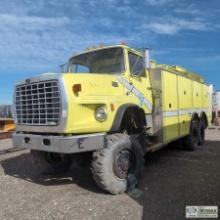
(169, 87)
(181, 90)
(141, 82)
(181, 95)
(171, 128)
(197, 95)
(97, 90)
(184, 93)
(206, 96)
(184, 124)
(170, 104)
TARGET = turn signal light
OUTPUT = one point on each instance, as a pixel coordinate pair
(112, 107)
(77, 88)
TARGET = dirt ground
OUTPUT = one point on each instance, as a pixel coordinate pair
(171, 180)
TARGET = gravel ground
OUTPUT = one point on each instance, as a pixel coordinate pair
(171, 180)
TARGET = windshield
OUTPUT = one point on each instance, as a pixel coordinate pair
(109, 60)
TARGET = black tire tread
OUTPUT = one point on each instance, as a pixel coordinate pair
(202, 125)
(188, 142)
(98, 163)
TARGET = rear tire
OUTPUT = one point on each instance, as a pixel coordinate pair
(115, 167)
(202, 128)
(191, 141)
(50, 163)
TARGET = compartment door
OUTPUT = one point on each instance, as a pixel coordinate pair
(185, 104)
(197, 95)
(170, 106)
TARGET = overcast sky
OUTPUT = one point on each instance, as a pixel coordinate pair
(37, 36)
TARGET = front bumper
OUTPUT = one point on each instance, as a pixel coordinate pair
(60, 144)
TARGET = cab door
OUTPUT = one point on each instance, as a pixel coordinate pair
(139, 79)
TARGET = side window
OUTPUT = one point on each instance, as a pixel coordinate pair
(80, 69)
(135, 63)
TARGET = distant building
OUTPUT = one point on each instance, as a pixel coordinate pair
(216, 108)
(5, 111)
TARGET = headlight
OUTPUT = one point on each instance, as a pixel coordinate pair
(100, 113)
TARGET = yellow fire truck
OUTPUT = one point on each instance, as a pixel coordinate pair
(112, 105)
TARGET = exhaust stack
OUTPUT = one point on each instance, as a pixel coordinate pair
(146, 55)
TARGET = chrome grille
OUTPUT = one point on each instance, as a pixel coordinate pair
(38, 103)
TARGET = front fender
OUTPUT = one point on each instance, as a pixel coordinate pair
(119, 116)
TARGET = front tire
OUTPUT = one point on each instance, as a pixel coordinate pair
(50, 163)
(114, 166)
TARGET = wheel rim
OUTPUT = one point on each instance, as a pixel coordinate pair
(124, 163)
